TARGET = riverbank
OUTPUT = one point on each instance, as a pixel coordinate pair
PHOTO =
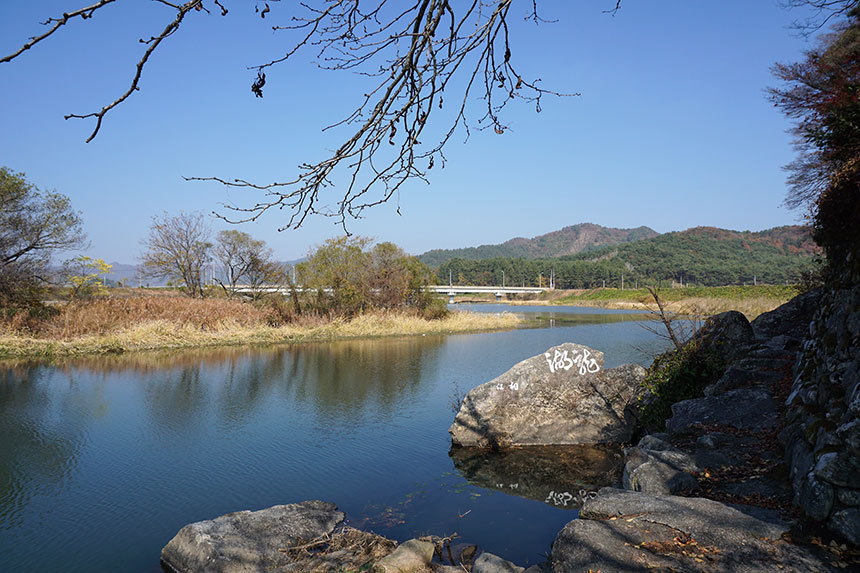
(116, 326)
(701, 302)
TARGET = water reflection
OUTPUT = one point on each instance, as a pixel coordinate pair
(42, 432)
(135, 446)
(562, 476)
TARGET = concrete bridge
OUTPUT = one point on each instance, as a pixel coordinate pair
(452, 290)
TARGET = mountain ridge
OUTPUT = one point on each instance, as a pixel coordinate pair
(569, 240)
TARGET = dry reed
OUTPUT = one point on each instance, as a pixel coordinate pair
(120, 325)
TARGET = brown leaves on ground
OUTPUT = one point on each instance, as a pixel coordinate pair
(842, 556)
(682, 544)
(347, 549)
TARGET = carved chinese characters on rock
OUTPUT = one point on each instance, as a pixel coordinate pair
(565, 360)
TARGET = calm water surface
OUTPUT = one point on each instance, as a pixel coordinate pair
(103, 460)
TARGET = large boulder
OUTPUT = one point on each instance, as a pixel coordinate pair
(727, 334)
(249, 541)
(790, 319)
(563, 396)
(630, 531)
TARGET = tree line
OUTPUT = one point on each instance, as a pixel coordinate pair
(344, 276)
(687, 258)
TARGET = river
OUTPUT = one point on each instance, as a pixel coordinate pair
(103, 460)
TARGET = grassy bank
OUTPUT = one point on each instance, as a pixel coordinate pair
(123, 325)
(694, 301)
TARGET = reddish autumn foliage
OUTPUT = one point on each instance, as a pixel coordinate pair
(822, 95)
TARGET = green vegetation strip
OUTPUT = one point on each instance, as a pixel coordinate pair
(779, 292)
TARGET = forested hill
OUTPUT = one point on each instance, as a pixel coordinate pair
(567, 241)
(703, 255)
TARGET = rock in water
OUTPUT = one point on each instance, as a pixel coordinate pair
(249, 541)
(560, 397)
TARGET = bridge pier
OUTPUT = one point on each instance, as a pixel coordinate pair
(498, 296)
(450, 298)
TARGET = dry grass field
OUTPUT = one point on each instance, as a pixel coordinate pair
(115, 325)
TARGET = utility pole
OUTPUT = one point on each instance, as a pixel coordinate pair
(622, 281)
(450, 280)
(503, 279)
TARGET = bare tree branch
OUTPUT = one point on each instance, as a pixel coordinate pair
(84, 13)
(412, 53)
(153, 44)
(416, 52)
(822, 12)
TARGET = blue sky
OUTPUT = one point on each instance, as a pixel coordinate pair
(671, 130)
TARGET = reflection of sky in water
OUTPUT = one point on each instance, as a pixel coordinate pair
(102, 460)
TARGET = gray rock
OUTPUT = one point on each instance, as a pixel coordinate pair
(735, 377)
(778, 343)
(412, 555)
(816, 498)
(728, 333)
(840, 469)
(247, 541)
(846, 524)
(849, 433)
(790, 319)
(563, 396)
(713, 523)
(628, 531)
(749, 408)
(848, 496)
(656, 443)
(714, 440)
(658, 471)
(489, 563)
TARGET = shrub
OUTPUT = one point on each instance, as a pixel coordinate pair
(435, 309)
(678, 375)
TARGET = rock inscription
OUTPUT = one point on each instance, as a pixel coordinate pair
(562, 396)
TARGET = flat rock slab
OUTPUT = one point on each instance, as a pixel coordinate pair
(748, 408)
(629, 531)
(560, 397)
(249, 541)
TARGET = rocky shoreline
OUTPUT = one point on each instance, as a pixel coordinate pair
(758, 474)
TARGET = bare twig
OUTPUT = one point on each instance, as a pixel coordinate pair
(665, 318)
(83, 13)
(153, 44)
(415, 51)
(319, 541)
(412, 53)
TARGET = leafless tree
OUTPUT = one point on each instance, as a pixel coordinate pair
(674, 327)
(416, 53)
(178, 248)
(820, 13)
(239, 254)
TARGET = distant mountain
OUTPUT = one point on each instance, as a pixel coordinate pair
(567, 241)
(702, 255)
